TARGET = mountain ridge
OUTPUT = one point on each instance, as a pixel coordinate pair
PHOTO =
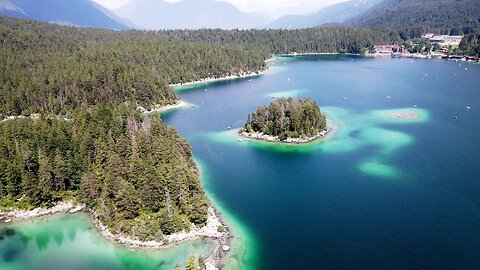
(446, 16)
(336, 13)
(189, 14)
(84, 13)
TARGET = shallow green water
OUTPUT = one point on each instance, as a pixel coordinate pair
(69, 242)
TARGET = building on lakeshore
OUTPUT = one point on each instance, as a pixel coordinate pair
(428, 35)
(387, 49)
(446, 41)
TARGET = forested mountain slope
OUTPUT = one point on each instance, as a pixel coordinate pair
(442, 16)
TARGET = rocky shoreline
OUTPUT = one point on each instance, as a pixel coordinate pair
(17, 215)
(159, 108)
(268, 138)
(210, 230)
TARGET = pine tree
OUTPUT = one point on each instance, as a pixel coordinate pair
(45, 177)
(60, 171)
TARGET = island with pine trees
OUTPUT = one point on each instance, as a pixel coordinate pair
(286, 120)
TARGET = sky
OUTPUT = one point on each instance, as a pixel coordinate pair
(273, 8)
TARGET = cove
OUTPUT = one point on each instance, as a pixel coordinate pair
(382, 193)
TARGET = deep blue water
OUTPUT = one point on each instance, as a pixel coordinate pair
(379, 194)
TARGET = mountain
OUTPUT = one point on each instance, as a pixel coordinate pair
(189, 14)
(337, 13)
(449, 16)
(85, 13)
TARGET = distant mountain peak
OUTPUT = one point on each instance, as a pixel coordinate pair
(7, 6)
(83, 13)
(337, 13)
(189, 14)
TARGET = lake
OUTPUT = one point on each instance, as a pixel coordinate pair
(381, 192)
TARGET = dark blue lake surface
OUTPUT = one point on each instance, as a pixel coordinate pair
(381, 193)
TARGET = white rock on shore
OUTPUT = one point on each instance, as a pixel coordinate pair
(159, 108)
(210, 230)
(38, 212)
(268, 138)
(229, 77)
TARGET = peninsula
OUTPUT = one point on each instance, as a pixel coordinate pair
(286, 120)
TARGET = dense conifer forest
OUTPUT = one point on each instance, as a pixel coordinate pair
(54, 69)
(135, 172)
(287, 118)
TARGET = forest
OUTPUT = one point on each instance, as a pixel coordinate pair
(287, 118)
(53, 69)
(82, 137)
(135, 172)
(470, 44)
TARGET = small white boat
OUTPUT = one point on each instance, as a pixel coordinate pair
(240, 140)
(468, 108)
(228, 128)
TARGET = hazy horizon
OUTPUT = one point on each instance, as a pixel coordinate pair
(272, 8)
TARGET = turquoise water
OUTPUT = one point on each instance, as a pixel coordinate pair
(382, 192)
(70, 242)
(394, 186)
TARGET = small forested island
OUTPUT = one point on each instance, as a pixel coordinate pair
(289, 120)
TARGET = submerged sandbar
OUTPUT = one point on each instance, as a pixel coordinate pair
(402, 115)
